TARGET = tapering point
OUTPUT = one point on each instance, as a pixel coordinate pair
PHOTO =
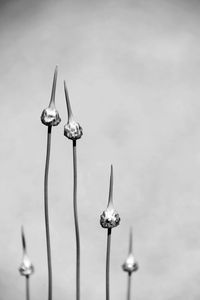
(130, 240)
(53, 92)
(110, 199)
(69, 110)
(111, 170)
(55, 72)
(23, 239)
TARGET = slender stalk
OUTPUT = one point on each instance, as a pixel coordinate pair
(76, 222)
(129, 287)
(27, 288)
(108, 264)
(46, 212)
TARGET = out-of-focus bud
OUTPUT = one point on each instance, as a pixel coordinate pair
(130, 265)
(50, 115)
(110, 218)
(26, 268)
(72, 130)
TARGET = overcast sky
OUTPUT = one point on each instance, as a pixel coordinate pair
(133, 73)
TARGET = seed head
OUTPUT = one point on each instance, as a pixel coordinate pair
(72, 130)
(26, 268)
(110, 218)
(130, 265)
(50, 115)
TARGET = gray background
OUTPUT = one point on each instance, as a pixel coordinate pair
(133, 73)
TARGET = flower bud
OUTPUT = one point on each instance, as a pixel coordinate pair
(26, 268)
(130, 265)
(50, 115)
(110, 218)
(72, 130)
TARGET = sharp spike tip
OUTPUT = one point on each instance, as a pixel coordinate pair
(23, 239)
(69, 110)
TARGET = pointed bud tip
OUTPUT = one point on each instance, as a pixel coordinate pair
(22, 229)
(23, 239)
(72, 130)
(69, 110)
(110, 197)
(56, 72)
(50, 115)
(130, 240)
(111, 172)
(53, 92)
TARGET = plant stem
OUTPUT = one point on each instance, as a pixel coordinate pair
(76, 222)
(46, 213)
(108, 265)
(27, 288)
(129, 287)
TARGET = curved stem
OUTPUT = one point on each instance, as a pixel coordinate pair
(27, 288)
(129, 287)
(46, 213)
(76, 222)
(108, 264)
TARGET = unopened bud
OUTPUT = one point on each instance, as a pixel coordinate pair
(72, 130)
(110, 218)
(130, 265)
(26, 268)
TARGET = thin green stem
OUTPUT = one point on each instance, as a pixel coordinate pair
(76, 223)
(108, 264)
(129, 287)
(46, 213)
(27, 288)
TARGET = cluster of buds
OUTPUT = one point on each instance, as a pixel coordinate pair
(110, 218)
(72, 130)
(50, 115)
(26, 268)
(130, 265)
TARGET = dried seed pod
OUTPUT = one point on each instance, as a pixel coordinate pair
(130, 265)
(26, 268)
(50, 115)
(72, 130)
(110, 218)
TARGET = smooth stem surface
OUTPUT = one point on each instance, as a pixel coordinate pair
(76, 223)
(108, 265)
(129, 287)
(27, 288)
(46, 213)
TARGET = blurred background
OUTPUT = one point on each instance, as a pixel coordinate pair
(133, 70)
